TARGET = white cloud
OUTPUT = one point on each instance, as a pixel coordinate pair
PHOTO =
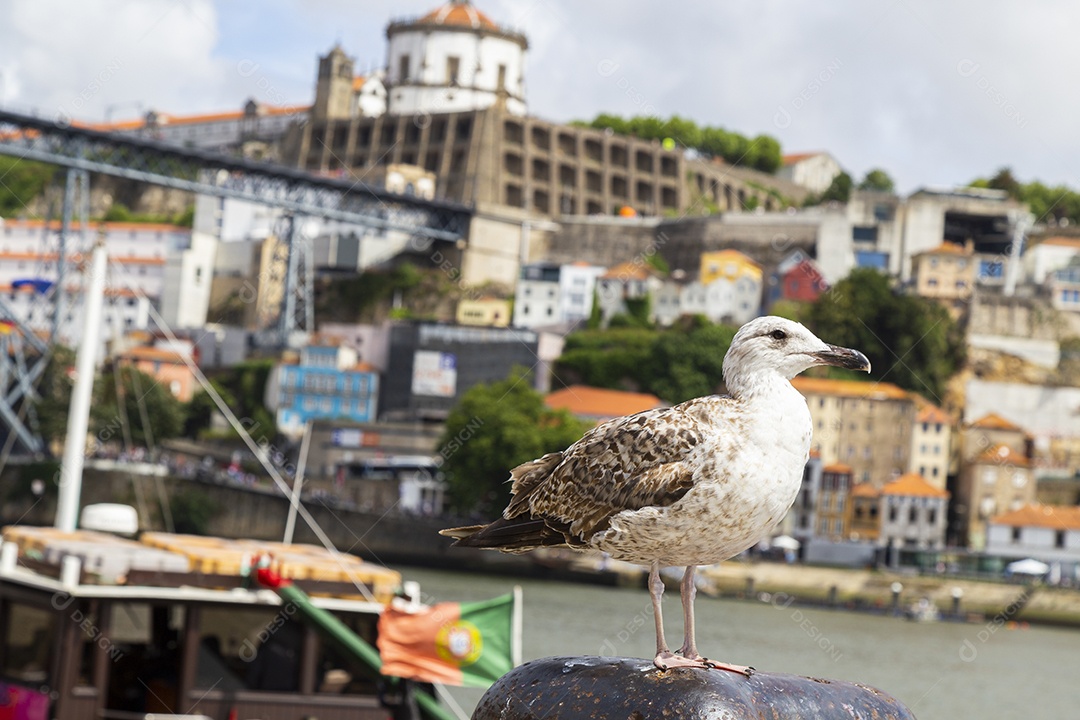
(112, 55)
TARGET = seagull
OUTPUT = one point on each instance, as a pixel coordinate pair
(688, 485)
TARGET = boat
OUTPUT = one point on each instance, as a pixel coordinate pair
(94, 625)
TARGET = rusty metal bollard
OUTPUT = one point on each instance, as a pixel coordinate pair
(575, 688)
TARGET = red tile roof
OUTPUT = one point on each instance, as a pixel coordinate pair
(931, 413)
(912, 485)
(1002, 455)
(1055, 517)
(459, 13)
(168, 119)
(864, 489)
(1070, 242)
(156, 354)
(946, 249)
(601, 402)
(109, 226)
(837, 469)
(849, 388)
(628, 271)
(799, 157)
(993, 421)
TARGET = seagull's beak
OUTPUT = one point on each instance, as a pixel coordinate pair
(842, 357)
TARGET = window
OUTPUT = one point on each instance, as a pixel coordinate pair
(913, 515)
(453, 64)
(403, 68)
(500, 84)
(248, 649)
(1059, 539)
(28, 642)
(931, 516)
(893, 512)
(1016, 534)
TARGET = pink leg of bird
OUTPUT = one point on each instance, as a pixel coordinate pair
(688, 590)
(666, 659)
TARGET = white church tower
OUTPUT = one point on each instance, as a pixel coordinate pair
(454, 59)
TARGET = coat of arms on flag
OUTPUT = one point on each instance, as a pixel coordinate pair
(452, 643)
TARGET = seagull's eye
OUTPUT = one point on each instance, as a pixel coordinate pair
(778, 335)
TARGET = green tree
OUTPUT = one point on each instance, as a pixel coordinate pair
(761, 152)
(192, 511)
(687, 362)
(23, 181)
(877, 179)
(164, 413)
(54, 389)
(243, 388)
(839, 189)
(608, 358)
(1004, 180)
(493, 429)
(910, 341)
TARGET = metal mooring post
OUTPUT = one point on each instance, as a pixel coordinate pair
(574, 688)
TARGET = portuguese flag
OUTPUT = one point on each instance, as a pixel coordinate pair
(452, 643)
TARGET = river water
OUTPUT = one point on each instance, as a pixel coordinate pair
(941, 671)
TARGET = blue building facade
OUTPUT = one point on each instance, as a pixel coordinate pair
(319, 388)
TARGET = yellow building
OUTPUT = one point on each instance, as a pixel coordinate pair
(727, 265)
(487, 312)
(867, 425)
(931, 443)
(945, 273)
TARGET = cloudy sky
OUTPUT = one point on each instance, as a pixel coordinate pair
(935, 93)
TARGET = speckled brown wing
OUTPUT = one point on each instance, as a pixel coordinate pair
(624, 464)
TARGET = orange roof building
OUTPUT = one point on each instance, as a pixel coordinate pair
(600, 404)
(1052, 517)
(867, 426)
(913, 513)
(458, 14)
(993, 421)
(171, 369)
(869, 390)
(1049, 533)
(913, 485)
(1002, 455)
(454, 46)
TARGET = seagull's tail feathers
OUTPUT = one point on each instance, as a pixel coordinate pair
(516, 535)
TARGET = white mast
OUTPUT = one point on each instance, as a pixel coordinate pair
(67, 505)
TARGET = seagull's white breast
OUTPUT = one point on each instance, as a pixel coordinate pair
(747, 474)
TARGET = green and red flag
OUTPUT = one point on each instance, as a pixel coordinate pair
(472, 643)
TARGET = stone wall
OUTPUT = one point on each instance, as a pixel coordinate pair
(239, 512)
(1026, 317)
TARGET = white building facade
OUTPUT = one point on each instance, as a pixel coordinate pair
(549, 294)
(149, 265)
(454, 59)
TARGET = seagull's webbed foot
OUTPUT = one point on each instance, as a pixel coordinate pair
(670, 660)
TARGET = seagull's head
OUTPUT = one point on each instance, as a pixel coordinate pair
(769, 345)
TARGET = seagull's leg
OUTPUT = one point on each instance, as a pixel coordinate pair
(688, 590)
(656, 590)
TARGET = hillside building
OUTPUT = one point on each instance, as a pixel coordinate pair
(165, 267)
(554, 295)
(865, 425)
(996, 481)
(913, 514)
(326, 384)
(815, 171)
